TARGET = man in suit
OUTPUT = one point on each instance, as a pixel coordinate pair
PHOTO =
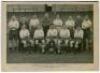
(78, 21)
(46, 23)
(24, 20)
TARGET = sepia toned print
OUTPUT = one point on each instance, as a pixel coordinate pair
(50, 33)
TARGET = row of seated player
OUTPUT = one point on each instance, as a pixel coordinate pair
(53, 32)
(56, 38)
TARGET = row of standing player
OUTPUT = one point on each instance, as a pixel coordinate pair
(73, 31)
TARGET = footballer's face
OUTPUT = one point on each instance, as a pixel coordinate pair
(43, 41)
(78, 16)
(86, 17)
(23, 27)
(70, 17)
(34, 16)
(78, 28)
(57, 16)
(46, 15)
(13, 18)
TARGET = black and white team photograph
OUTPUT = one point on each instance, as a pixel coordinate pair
(49, 33)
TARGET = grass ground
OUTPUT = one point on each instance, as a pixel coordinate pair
(83, 57)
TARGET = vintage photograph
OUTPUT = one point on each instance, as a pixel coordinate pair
(50, 33)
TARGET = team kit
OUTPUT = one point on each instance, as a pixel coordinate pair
(46, 36)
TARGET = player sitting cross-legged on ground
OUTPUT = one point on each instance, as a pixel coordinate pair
(24, 39)
(39, 39)
(51, 39)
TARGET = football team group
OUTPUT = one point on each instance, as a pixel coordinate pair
(46, 36)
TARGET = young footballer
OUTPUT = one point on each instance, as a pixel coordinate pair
(86, 26)
(70, 24)
(34, 24)
(24, 38)
(57, 21)
(38, 37)
(78, 36)
(13, 27)
(51, 39)
(64, 35)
